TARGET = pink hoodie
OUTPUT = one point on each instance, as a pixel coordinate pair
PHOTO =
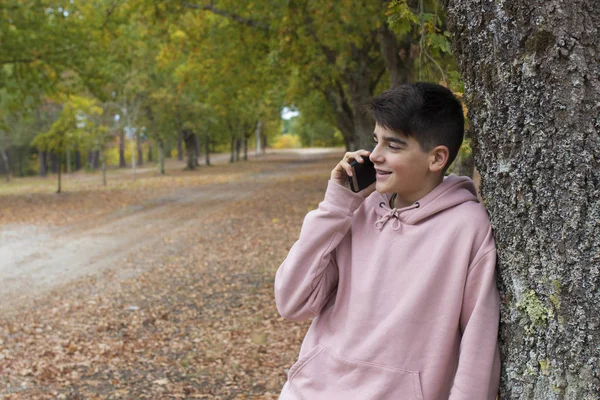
(404, 301)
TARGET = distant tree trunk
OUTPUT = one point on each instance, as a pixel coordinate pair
(232, 154)
(206, 148)
(122, 163)
(93, 156)
(531, 85)
(103, 165)
(238, 148)
(149, 151)
(360, 94)
(198, 148)
(68, 161)
(179, 148)
(264, 143)
(190, 148)
(161, 156)
(140, 150)
(53, 163)
(6, 164)
(245, 149)
(42, 159)
(258, 137)
(77, 160)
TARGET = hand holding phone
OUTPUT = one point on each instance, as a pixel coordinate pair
(344, 174)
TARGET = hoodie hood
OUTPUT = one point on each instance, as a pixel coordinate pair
(453, 190)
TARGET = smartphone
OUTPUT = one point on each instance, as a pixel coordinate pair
(363, 174)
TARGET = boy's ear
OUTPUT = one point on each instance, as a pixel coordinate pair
(438, 158)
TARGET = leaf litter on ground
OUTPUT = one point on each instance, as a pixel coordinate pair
(200, 324)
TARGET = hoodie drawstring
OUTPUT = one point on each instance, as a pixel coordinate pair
(393, 213)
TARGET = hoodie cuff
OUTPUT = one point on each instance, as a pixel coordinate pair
(341, 198)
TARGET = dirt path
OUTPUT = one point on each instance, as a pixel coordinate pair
(35, 259)
(164, 298)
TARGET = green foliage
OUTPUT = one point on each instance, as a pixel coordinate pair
(400, 17)
(75, 125)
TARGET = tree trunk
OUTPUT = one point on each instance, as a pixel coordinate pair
(53, 164)
(398, 66)
(238, 148)
(149, 151)
(140, 150)
(198, 149)
(42, 159)
(179, 148)
(360, 94)
(6, 164)
(77, 160)
(95, 159)
(190, 148)
(122, 163)
(245, 149)
(161, 156)
(207, 148)
(232, 155)
(531, 77)
(68, 161)
(258, 137)
(343, 114)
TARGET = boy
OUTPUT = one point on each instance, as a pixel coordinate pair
(401, 280)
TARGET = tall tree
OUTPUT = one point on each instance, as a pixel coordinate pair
(531, 72)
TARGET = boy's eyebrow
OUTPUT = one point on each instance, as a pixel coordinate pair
(391, 139)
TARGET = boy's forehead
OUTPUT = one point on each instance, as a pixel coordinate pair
(381, 131)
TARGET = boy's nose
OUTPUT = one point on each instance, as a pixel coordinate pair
(375, 155)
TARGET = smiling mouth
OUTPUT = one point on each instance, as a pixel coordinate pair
(380, 172)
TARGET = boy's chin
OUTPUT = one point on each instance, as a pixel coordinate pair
(383, 189)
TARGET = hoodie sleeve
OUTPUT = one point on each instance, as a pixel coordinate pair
(478, 372)
(308, 276)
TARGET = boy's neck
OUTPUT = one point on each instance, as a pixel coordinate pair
(400, 202)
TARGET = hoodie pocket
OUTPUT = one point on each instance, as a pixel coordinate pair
(323, 375)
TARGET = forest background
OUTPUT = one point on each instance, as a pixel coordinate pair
(85, 84)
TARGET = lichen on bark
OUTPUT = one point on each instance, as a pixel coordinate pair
(532, 85)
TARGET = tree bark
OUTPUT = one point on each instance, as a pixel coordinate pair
(207, 149)
(531, 73)
(238, 147)
(53, 164)
(122, 163)
(179, 148)
(190, 148)
(77, 160)
(140, 150)
(161, 156)
(149, 151)
(42, 159)
(6, 164)
(68, 161)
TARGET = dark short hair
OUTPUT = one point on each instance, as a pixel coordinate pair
(426, 111)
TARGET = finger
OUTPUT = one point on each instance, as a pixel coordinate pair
(346, 167)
